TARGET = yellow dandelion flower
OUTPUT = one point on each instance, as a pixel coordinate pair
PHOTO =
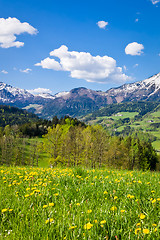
(56, 194)
(103, 222)
(154, 200)
(77, 204)
(105, 192)
(146, 231)
(45, 206)
(155, 230)
(138, 224)
(113, 208)
(142, 216)
(27, 195)
(10, 210)
(102, 226)
(88, 226)
(89, 211)
(122, 211)
(137, 230)
(158, 199)
(115, 197)
(95, 221)
(47, 221)
(4, 210)
(72, 227)
(51, 204)
(154, 225)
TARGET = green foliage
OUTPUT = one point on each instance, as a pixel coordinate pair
(56, 204)
(91, 146)
(15, 116)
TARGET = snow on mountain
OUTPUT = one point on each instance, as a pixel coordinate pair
(61, 94)
(80, 101)
(16, 92)
(45, 95)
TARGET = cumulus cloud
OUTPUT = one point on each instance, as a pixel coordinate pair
(11, 27)
(4, 71)
(136, 20)
(39, 91)
(134, 49)
(82, 65)
(155, 1)
(27, 70)
(102, 24)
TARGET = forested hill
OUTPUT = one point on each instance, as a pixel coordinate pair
(141, 107)
(12, 115)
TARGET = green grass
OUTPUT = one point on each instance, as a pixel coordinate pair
(38, 203)
(122, 115)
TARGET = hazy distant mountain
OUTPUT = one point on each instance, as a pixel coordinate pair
(79, 101)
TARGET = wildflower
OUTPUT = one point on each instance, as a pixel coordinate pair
(122, 211)
(138, 224)
(103, 222)
(105, 192)
(88, 226)
(154, 200)
(154, 225)
(51, 204)
(45, 206)
(10, 210)
(146, 231)
(72, 227)
(27, 195)
(95, 221)
(115, 197)
(56, 194)
(137, 230)
(142, 216)
(155, 230)
(77, 204)
(89, 211)
(113, 208)
(4, 210)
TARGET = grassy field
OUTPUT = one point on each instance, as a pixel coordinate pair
(38, 203)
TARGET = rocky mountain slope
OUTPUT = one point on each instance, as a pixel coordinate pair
(79, 101)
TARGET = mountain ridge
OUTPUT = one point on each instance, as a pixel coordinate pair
(79, 101)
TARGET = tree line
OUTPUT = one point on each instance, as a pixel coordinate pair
(91, 146)
(69, 142)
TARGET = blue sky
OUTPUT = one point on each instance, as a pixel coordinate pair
(62, 45)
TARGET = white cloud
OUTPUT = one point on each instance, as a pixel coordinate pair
(136, 20)
(11, 27)
(125, 68)
(102, 24)
(4, 71)
(155, 1)
(27, 70)
(135, 65)
(82, 65)
(134, 49)
(39, 91)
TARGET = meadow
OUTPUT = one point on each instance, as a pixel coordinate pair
(76, 203)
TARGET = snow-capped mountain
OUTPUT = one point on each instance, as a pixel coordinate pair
(148, 89)
(79, 101)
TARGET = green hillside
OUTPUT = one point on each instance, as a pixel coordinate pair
(128, 118)
(12, 115)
